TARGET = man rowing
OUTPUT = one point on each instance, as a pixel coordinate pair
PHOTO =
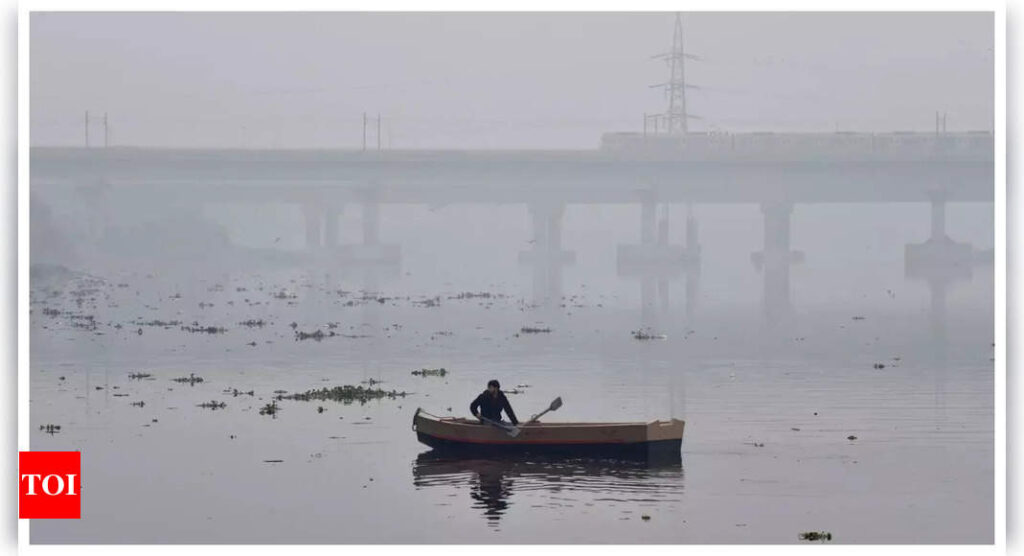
(491, 402)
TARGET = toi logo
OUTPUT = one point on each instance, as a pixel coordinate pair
(50, 485)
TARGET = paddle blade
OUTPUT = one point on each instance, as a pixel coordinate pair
(556, 404)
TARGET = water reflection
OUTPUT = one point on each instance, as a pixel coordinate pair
(495, 483)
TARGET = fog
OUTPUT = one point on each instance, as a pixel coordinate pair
(495, 80)
(805, 275)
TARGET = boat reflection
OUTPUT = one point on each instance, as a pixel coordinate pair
(550, 481)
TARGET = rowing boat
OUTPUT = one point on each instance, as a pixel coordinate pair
(458, 434)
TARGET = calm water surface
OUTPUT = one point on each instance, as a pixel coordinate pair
(771, 387)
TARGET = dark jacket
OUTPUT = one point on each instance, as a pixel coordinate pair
(491, 406)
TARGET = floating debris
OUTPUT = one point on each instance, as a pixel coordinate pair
(138, 376)
(851, 437)
(191, 379)
(270, 409)
(320, 409)
(471, 295)
(345, 394)
(816, 536)
(432, 302)
(318, 335)
(251, 323)
(273, 461)
(430, 372)
(50, 429)
(645, 517)
(858, 317)
(647, 334)
(204, 329)
(236, 392)
(139, 404)
(879, 365)
(371, 381)
(534, 330)
(213, 404)
(283, 295)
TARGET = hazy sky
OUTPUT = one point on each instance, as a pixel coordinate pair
(513, 80)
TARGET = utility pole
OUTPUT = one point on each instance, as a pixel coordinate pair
(87, 129)
(364, 131)
(106, 131)
(943, 122)
(378, 131)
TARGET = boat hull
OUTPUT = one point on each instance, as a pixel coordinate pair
(654, 440)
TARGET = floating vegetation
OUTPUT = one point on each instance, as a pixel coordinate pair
(50, 429)
(270, 409)
(236, 392)
(345, 394)
(471, 295)
(253, 323)
(318, 335)
(213, 404)
(283, 295)
(645, 517)
(534, 330)
(204, 329)
(851, 437)
(51, 312)
(273, 461)
(191, 379)
(139, 376)
(879, 365)
(157, 322)
(816, 536)
(858, 317)
(431, 302)
(139, 404)
(647, 334)
(430, 372)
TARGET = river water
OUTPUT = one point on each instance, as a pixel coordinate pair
(772, 386)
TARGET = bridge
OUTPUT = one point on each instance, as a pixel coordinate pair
(322, 183)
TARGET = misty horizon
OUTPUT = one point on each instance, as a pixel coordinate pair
(495, 80)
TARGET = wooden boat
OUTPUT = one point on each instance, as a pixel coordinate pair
(638, 439)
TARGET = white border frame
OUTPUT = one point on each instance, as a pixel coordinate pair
(1000, 207)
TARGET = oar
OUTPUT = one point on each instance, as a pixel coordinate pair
(511, 430)
(554, 405)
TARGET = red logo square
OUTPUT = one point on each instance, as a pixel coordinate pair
(50, 485)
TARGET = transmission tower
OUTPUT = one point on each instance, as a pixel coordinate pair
(675, 88)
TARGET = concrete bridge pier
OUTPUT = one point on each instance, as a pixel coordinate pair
(775, 260)
(371, 250)
(312, 217)
(546, 254)
(332, 214)
(939, 251)
(654, 248)
(656, 263)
